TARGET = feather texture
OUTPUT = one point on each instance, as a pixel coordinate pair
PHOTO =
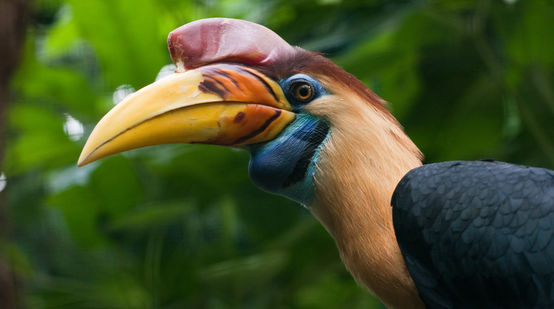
(365, 156)
(478, 234)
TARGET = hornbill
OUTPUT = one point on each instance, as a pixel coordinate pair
(458, 235)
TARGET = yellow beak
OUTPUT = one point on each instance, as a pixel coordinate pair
(217, 104)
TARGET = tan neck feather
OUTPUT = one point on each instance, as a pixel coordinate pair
(365, 157)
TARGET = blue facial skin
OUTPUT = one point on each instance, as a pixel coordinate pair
(285, 165)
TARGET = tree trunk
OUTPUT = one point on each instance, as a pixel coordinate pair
(12, 29)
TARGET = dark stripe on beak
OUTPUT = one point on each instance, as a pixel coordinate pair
(263, 82)
(259, 130)
(229, 77)
(210, 84)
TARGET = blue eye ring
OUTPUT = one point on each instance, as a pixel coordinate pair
(301, 89)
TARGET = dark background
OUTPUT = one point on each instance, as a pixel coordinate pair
(182, 226)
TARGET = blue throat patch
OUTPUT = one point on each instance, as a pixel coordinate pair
(285, 165)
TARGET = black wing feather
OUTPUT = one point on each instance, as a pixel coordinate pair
(478, 234)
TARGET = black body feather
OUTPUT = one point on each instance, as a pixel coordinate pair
(478, 234)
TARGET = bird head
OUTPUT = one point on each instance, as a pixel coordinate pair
(239, 84)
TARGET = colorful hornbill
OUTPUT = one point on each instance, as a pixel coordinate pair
(458, 235)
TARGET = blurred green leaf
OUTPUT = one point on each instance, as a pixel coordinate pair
(244, 272)
(151, 217)
(526, 44)
(125, 38)
(63, 35)
(80, 210)
(16, 259)
(116, 192)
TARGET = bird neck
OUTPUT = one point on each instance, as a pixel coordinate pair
(358, 170)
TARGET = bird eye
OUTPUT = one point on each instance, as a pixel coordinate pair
(302, 91)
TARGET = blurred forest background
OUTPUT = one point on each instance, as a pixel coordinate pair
(182, 226)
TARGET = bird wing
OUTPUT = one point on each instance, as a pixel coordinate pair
(478, 234)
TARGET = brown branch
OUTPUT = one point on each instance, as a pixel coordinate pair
(12, 30)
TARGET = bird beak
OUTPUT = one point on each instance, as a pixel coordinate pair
(218, 104)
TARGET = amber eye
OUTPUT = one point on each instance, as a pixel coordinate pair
(302, 91)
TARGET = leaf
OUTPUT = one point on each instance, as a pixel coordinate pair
(63, 36)
(245, 271)
(526, 43)
(125, 38)
(115, 185)
(80, 210)
(153, 216)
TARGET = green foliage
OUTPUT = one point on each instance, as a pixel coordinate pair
(182, 226)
